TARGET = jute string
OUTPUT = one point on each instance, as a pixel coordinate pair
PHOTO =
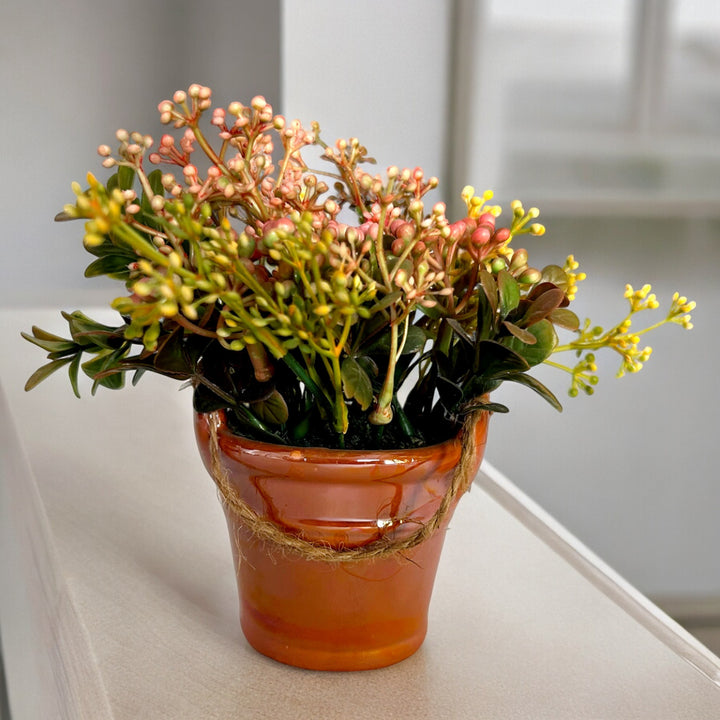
(267, 531)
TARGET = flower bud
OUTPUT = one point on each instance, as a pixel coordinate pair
(487, 218)
(398, 246)
(416, 207)
(501, 236)
(482, 234)
(405, 231)
(258, 102)
(519, 259)
(401, 277)
(530, 276)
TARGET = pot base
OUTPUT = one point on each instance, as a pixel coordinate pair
(311, 654)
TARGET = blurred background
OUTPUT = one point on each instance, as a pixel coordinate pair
(606, 115)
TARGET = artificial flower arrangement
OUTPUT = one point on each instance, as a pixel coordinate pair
(319, 304)
(343, 338)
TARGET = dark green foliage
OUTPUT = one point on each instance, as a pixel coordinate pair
(458, 372)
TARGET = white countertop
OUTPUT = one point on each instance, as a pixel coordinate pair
(118, 593)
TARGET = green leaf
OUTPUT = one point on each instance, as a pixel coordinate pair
(565, 319)
(272, 410)
(111, 183)
(491, 290)
(435, 312)
(479, 386)
(155, 180)
(42, 372)
(356, 382)
(486, 308)
(205, 400)
(55, 355)
(415, 341)
(520, 333)
(48, 342)
(41, 334)
(403, 422)
(450, 392)
(114, 266)
(106, 247)
(509, 292)
(498, 360)
(302, 374)
(73, 369)
(538, 387)
(543, 305)
(113, 380)
(368, 365)
(481, 405)
(300, 429)
(86, 331)
(105, 370)
(170, 356)
(537, 290)
(386, 301)
(126, 177)
(459, 330)
(545, 338)
(209, 397)
(554, 274)
(81, 323)
(420, 398)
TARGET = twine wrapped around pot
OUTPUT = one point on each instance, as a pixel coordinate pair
(267, 531)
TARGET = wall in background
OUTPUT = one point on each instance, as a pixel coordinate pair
(72, 73)
(375, 70)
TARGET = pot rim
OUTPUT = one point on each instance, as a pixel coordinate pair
(323, 455)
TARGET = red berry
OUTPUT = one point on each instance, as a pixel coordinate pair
(482, 235)
(501, 235)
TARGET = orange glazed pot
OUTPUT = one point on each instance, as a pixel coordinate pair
(341, 615)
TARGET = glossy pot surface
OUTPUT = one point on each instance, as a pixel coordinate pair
(320, 615)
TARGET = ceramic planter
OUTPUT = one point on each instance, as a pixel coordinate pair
(334, 615)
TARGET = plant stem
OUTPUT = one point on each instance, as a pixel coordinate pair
(380, 250)
(193, 328)
(341, 414)
(309, 383)
(559, 366)
(383, 410)
(206, 147)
